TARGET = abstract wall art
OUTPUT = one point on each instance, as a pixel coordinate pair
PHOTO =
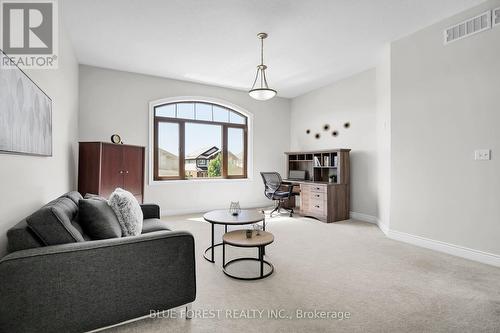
(25, 113)
(326, 127)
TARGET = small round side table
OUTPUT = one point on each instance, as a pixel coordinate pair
(238, 238)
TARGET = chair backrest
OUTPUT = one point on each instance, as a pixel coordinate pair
(272, 181)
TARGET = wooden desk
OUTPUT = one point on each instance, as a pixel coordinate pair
(327, 202)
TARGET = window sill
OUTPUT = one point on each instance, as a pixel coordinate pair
(198, 181)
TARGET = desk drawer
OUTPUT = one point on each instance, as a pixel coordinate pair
(306, 188)
(318, 188)
(317, 196)
(318, 207)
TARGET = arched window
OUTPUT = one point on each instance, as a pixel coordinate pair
(197, 139)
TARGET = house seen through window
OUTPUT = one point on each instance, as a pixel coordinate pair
(199, 140)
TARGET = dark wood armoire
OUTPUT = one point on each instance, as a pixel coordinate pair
(102, 167)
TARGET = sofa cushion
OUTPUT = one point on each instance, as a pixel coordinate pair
(128, 211)
(150, 225)
(74, 196)
(98, 220)
(94, 196)
(20, 237)
(57, 222)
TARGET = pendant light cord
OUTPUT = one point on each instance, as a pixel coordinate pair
(263, 81)
(262, 51)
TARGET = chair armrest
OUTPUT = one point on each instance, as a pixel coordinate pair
(150, 211)
(83, 286)
(286, 187)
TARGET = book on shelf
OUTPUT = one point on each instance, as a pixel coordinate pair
(326, 160)
(317, 163)
(335, 160)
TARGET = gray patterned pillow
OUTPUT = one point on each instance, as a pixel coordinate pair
(128, 211)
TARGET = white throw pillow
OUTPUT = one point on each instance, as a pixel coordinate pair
(128, 211)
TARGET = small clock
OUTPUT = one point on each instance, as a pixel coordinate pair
(115, 138)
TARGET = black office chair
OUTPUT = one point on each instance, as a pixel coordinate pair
(275, 190)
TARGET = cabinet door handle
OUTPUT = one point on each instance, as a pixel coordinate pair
(121, 172)
(126, 171)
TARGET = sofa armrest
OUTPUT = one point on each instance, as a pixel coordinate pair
(150, 211)
(83, 286)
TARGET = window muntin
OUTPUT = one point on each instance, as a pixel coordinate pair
(203, 111)
(185, 110)
(236, 118)
(217, 136)
(167, 110)
(221, 114)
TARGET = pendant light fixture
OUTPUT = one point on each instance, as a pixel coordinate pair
(260, 89)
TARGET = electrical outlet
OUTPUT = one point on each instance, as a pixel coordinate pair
(482, 155)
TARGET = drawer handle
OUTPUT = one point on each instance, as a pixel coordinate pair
(317, 195)
(317, 206)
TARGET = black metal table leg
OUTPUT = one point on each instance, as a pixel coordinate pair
(264, 228)
(261, 258)
(223, 254)
(212, 247)
(213, 242)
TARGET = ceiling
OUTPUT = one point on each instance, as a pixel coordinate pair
(311, 43)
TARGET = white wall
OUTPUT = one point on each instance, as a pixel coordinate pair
(117, 102)
(445, 104)
(351, 100)
(28, 182)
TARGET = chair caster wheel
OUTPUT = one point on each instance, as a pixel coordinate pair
(291, 215)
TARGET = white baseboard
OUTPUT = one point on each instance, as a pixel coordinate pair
(363, 217)
(383, 227)
(455, 250)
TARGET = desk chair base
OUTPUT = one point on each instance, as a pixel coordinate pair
(280, 206)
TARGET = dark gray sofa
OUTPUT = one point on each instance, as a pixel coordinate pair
(87, 284)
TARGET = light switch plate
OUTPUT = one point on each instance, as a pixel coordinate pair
(482, 155)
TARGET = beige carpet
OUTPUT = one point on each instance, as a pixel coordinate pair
(385, 285)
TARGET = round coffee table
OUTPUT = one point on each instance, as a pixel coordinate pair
(239, 238)
(224, 217)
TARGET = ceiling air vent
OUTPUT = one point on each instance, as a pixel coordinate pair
(468, 27)
(496, 16)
